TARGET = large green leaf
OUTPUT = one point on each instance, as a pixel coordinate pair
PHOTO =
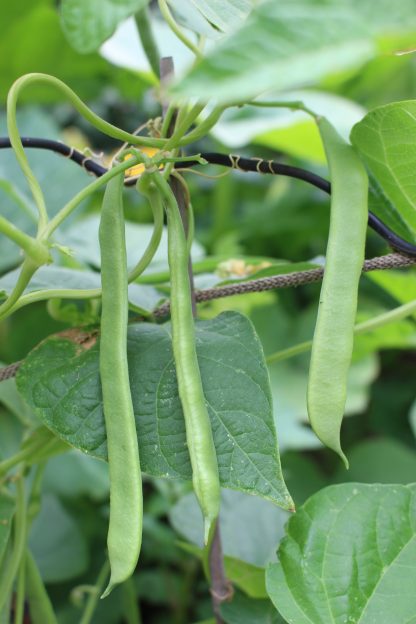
(60, 380)
(386, 139)
(88, 23)
(286, 45)
(349, 556)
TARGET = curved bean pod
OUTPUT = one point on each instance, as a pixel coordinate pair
(199, 438)
(126, 504)
(333, 338)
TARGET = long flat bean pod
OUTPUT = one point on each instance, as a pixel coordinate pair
(333, 337)
(126, 505)
(199, 438)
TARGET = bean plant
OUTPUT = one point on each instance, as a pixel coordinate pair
(148, 383)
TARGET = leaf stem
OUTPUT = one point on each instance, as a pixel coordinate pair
(33, 248)
(296, 105)
(203, 128)
(183, 123)
(148, 254)
(26, 272)
(19, 605)
(19, 541)
(392, 316)
(171, 22)
(95, 120)
(84, 193)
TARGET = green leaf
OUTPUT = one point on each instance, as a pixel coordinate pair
(295, 467)
(23, 218)
(400, 285)
(382, 460)
(57, 543)
(60, 380)
(386, 140)
(75, 475)
(82, 238)
(50, 54)
(214, 17)
(349, 556)
(243, 610)
(10, 397)
(287, 45)
(7, 509)
(289, 381)
(397, 335)
(88, 23)
(142, 297)
(50, 445)
(250, 529)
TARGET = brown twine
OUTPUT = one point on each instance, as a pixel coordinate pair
(380, 263)
(288, 280)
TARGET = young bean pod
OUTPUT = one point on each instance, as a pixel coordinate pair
(199, 438)
(333, 338)
(126, 505)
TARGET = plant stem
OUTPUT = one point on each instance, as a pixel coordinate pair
(41, 610)
(30, 448)
(19, 542)
(296, 105)
(33, 248)
(131, 607)
(150, 48)
(184, 121)
(26, 272)
(203, 128)
(93, 598)
(19, 605)
(397, 314)
(169, 19)
(91, 188)
(95, 120)
(157, 208)
(104, 126)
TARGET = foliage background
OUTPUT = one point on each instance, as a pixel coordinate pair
(237, 216)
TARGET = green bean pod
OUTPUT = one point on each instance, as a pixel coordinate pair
(126, 504)
(205, 477)
(333, 337)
